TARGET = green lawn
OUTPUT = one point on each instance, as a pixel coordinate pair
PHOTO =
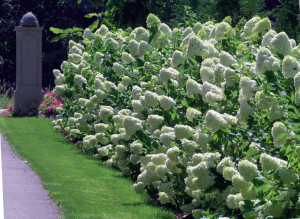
(81, 186)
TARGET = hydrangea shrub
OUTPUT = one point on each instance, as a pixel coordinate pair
(205, 117)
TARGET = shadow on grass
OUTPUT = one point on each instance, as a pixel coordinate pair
(133, 204)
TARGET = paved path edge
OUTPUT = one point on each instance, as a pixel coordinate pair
(23, 193)
(1, 183)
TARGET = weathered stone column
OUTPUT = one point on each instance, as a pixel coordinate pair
(29, 62)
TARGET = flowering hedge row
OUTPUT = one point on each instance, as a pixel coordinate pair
(207, 116)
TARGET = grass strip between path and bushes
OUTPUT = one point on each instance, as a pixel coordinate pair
(81, 186)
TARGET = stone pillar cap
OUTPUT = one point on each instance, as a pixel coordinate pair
(29, 20)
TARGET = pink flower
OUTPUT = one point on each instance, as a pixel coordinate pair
(5, 113)
(10, 108)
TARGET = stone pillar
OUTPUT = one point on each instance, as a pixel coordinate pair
(29, 62)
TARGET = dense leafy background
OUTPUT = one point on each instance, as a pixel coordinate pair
(63, 14)
(124, 13)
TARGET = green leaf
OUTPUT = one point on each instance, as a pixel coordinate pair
(55, 39)
(94, 25)
(56, 30)
(153, 32)
(247, 207)
(184, 103)
(291, 107)
(79, 1)
(296, 136)
(279, 137)
(91, 15)
(244, 145)
(288, 151)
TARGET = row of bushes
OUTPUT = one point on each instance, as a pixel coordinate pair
(205, 118)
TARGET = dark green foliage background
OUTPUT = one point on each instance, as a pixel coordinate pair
(61, 13)
(65, 14)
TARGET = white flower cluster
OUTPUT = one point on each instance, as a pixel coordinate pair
(106, 112)
(59, 77)
(167, 136)
(140, 34)
(167, 74)
(155, 121)
(192, 113)
(248, 170)
(207, 70)
(203, 140)
(150, 99)
(199, 176)
(166, 102)
(249, 26)
(79, 80)
(119, 69)
(216, 121)
(248, 87)
(177, 59)
(133, 47)
(60, 89)
(211, 93)
(279, 134)
(265, 61)
(89, 141)
(297, 88)
(270, 163)
(231, 77)
(282, 43)
(221, 30)
(219, 73)
(152, 21)
(143, 48)
(183, 131)
(126, 58)
(262, 26)
(245, 111)
(189, 146)
(132, 125)
(193, 88)
(198, 47)
(290, 67)
(226, 59)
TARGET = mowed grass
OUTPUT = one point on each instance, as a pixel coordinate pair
(80, 185)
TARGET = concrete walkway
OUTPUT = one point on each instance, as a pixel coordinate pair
(23, 194)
